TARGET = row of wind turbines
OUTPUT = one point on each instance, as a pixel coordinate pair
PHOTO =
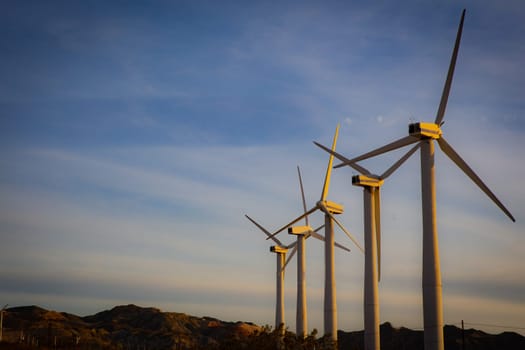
(423, 135)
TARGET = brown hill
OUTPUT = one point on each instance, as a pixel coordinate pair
(123, 327)
(133, 327)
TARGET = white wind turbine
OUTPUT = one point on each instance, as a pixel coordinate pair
(280, 250)
(329, 208)
(371, 184)
(425, 134)
(299, 247)
(302, 233)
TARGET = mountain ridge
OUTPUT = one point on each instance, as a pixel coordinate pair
(133, 327)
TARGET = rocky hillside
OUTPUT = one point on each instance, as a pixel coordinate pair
(122, 327)
(133, 327)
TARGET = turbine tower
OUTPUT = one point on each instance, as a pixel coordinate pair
(302, 232)
(2, 321)
(280, 253)
(280, 250)
(329, 208)
(425, 134)
(371, 184)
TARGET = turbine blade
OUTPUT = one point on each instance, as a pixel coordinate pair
(292, 253)
(345, 231)
(264, 230)
(454, 156)
(399, 162)
(292, 222)
(326, 185)
(302, 194)
(407, 140)
(340, 246)
(450, 74)
(291, 245)
(377, 211)
(358, 168)
(317, 236)
(321, 238)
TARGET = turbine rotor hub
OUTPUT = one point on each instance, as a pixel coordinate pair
(331, 207)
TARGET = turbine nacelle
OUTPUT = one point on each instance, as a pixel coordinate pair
(331, 207)
(366, 181)
(299, 230)
(278, 249)
(424, 130)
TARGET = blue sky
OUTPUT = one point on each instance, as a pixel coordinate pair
(135, 136)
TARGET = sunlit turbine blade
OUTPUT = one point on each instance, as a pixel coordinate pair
(293, 222)
(399, 162)
(449, 151)
(377, 211)
(264, 230)
(407, 140)
(342, 158)
(450, 74)
(345, 231)
(302, 194)
(292, 253)
(326, 185)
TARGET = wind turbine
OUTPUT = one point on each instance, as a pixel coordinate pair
(425, 134)
(371, 184)
(302, 233)
(329, 208)
(280, 250)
